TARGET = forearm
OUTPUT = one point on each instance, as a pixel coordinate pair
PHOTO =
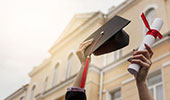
(79, 76)
(144, 93)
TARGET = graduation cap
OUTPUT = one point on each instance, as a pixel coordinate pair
(113, 37)
(107, 38)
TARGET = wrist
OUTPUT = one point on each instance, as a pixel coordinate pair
(140, 83)
(83, 64)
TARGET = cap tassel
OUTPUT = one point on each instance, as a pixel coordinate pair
(152, 32)
(83, 79)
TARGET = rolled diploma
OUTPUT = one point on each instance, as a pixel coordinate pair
(149, 40)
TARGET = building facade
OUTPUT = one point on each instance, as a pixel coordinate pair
(108, 78)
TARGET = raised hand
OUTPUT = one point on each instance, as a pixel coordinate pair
(81, 50)
(143, 58)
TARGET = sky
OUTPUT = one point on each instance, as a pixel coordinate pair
(28, 28)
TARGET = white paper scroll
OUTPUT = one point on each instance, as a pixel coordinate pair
(149, 40)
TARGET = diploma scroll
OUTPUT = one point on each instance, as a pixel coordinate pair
(149, 39)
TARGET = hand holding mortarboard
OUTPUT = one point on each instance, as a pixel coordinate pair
(81, 55)
(81, 50)
(108, 38)
(75, 92)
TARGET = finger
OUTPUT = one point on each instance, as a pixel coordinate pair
(143, 52)
(140, 62)
(149, 50)
(141, 57)
(85, 42)
(84, 47)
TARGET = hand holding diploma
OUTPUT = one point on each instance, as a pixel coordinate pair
(143, 59)
(149, 39)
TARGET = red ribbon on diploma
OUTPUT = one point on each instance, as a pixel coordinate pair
(83, 79)
(152, 32)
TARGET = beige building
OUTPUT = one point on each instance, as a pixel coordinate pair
(108, 78)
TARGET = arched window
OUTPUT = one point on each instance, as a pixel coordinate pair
(32, 92)
(45, 83)
(55, 75)
(69, 65)
(150, 16)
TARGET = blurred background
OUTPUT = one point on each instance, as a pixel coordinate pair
(28, 28)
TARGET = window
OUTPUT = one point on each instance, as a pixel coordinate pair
(108, 58)
(45, 83)
(116, 95)
(117, 54)
(150, 16)
(155, 85)
(32, 92)
(69, 65)
(55, 75)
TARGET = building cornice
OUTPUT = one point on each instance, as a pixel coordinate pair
(121, 8)
(35, 70)
(94, 68)
(18, 92)
(166, 64)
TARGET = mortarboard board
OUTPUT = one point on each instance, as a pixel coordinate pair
(114, 37)
(107, 38)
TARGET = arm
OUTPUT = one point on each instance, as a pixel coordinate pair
(143, 58)
(75, 92)
(144, 93)
(78, 77)
(80, 53)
